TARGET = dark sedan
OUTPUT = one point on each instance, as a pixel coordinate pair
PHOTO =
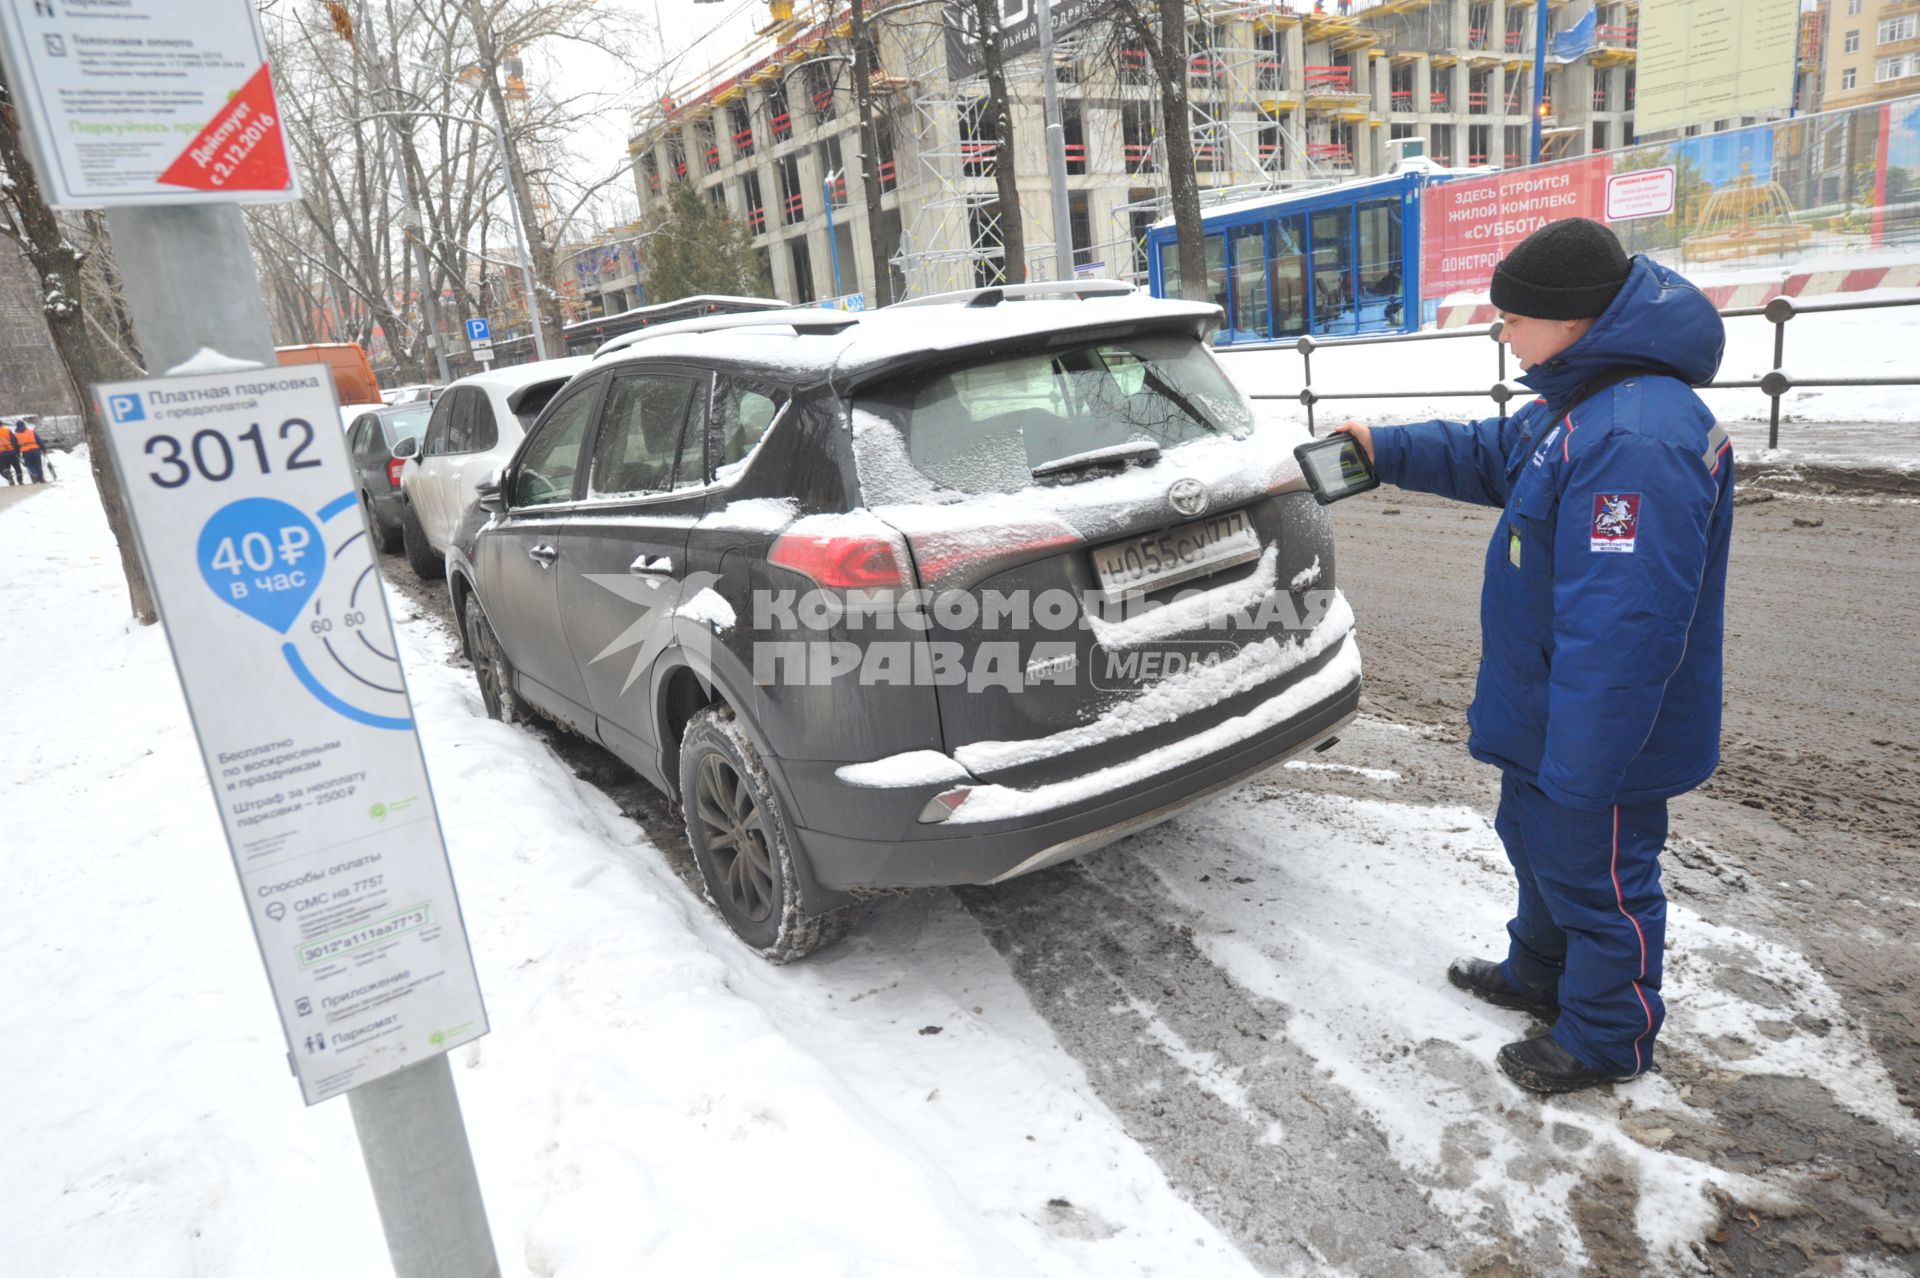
(371, 439)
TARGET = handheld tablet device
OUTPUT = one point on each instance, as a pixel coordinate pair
(1335, 467)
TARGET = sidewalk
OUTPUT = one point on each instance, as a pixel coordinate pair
(11, 493)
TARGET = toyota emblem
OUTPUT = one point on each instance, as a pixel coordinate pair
(1188, 496)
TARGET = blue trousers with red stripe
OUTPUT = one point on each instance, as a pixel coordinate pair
(1591, 920)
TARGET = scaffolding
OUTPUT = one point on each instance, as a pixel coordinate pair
(1252, 134)
(954, 238)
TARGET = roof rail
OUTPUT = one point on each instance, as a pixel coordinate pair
(998, 293)
(801, 320)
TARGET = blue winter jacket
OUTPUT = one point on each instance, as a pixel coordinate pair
(1604, 603)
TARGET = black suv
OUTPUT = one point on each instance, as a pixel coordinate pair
(938, 594)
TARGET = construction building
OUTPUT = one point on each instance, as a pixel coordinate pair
(1870, 51)
(1277, 98)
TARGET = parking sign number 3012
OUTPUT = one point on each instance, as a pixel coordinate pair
(212, 454)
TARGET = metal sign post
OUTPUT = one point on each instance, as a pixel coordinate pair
(480, 340)
(241, 497)
(1056, 149)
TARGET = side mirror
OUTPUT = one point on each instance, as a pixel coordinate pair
(490, 491)
(406, 448)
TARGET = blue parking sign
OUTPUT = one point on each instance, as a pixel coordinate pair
(478, 330)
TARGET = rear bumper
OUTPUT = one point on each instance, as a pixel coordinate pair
(386, 508)
(946, 854)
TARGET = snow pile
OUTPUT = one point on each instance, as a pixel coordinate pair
(709, 607)
(652, 1099)
(208, 360)
(1174, 698)
(915, 767)
(1003, 803)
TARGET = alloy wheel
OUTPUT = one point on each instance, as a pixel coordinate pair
(735, 836)
(486, 670)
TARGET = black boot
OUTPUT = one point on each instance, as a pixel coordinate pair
(1542, 1065)
(1483, 980)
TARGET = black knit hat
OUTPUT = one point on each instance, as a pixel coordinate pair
(1568, 269)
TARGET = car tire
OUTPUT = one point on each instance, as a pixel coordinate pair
(743, 842)
(426, 565)
(386, 540)
(491, 668)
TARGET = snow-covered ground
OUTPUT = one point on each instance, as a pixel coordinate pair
(1877, 343)
(654, 1099)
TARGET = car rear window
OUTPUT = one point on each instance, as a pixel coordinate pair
(984, 427)
(531, 401)
(408, 424)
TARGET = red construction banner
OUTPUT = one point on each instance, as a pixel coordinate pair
(1467, 226)
(242, 149)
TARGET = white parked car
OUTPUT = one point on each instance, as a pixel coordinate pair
(477, 423)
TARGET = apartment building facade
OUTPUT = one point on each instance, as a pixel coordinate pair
(1276, 97)
(1871, 51)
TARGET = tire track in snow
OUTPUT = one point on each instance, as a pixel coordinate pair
(1204, 1076)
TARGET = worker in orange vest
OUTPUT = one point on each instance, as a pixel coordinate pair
(9, 455)
(28, 444)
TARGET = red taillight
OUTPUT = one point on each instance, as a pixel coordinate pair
(394, 467)
(844, 563)
(960, 556)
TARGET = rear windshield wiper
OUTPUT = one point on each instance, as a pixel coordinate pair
(1137, 452)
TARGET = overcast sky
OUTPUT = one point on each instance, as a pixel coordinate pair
(682, 40)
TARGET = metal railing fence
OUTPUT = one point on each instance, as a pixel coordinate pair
(1774, 384)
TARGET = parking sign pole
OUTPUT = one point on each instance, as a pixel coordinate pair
(191, 284)
(415, 1145)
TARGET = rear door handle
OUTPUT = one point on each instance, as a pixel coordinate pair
(644, 567)
(543, 555)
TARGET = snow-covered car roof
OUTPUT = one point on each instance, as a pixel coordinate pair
(874, 344)
(514, 376)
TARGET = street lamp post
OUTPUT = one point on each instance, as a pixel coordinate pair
(1539, 79)
(833, 240)
(520, 238)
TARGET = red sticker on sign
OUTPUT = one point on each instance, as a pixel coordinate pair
(1616, 522)
(242, 149)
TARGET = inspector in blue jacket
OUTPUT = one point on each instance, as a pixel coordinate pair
(1601, 618)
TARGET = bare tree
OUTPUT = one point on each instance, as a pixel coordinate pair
(1006, 180)
(87, 351)
(333, 261)
(377, 91)
(863, 62)
(1160, 27)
